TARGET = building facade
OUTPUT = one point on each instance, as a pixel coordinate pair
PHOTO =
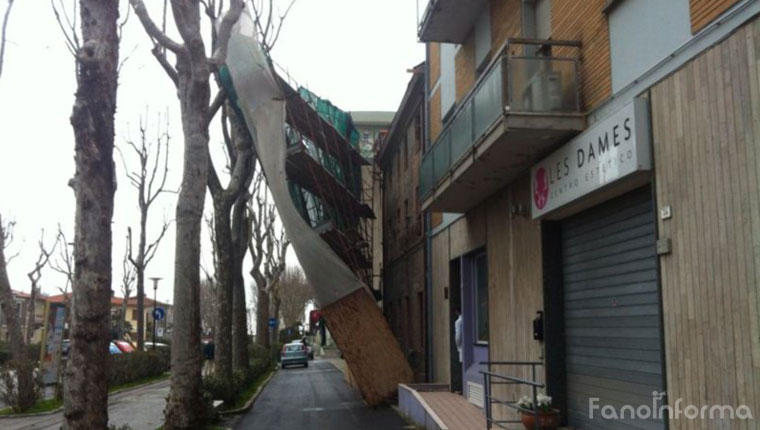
(403, 275)
(592, 179)
(21, 300)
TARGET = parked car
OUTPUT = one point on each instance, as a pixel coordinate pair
(148, 346)
(65, 346)
(294, 353)
(124, 346)
(113, 349)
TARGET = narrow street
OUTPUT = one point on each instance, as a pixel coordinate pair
(150, 400)
(316, 397)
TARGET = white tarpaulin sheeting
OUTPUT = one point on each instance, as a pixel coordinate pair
(262, 102)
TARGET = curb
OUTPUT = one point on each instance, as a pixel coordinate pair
(60, 409)
(38, 414)
(253, 398)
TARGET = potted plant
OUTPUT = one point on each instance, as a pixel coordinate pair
(548, 417)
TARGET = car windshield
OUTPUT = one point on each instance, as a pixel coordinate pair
(292, 348)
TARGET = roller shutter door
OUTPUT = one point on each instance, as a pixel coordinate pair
(612, 311)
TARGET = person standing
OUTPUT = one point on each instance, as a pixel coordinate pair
(458, 333)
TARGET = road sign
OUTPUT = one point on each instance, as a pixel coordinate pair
(272, 322)
(159, 314)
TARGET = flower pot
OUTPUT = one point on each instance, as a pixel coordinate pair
(548, 420)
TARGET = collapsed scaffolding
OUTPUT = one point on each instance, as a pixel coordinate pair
(309, 151)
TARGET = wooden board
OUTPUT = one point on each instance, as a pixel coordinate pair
(371, 351)
(706, 130)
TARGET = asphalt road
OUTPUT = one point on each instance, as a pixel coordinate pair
(315, 398)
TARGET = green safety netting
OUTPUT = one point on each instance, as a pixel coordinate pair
(329, 112)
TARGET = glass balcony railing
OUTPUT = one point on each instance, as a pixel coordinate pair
(527, 84)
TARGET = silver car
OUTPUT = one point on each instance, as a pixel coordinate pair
(294, 353)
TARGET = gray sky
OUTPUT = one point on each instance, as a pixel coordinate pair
(354, 52)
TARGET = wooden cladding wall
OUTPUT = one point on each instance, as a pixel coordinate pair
(704, 12)
(706, 128)
(513, 246)
(440, 311)
(584, 21)
(505, 22)
(514, 288)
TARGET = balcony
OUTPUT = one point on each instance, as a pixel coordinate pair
(521, 108)
(449, 20)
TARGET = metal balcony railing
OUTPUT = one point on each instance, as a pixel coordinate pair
(491, 378)
(530, 83)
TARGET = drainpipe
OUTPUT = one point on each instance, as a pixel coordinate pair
(428, 238)
(528, 15)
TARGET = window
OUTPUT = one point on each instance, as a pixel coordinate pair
(408, 216)
(448, 78)
(418, 133)
(421, 322)
(406, 154)
(483, 39)
(481, 298)
(134, 314)
(643, 33)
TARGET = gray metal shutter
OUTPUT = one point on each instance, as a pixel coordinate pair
(612, 310)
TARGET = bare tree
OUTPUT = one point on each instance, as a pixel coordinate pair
(129, 273)
(94, 184)
(240, 154)
(208, 305)
(268, 252)
(3, 33)
(34, 277)
(63, 263)
(25, 381)
(150, 182)
(293, 292)
(192, 79)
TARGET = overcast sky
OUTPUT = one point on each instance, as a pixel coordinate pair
(354, 52)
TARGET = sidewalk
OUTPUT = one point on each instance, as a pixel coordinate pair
(141, 408)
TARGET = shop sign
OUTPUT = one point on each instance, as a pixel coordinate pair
(608, 151)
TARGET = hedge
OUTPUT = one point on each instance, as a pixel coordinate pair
(126, 368)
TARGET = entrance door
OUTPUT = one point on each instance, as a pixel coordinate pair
(613, 324)
(455, 306)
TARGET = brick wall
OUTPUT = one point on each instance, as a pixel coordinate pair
(584, 21)
(435, 115)
(434, 62)
(464, 64)
(704, 12)
(505, 22)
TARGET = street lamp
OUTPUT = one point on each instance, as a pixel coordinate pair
(155, 289)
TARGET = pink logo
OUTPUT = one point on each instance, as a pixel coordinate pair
(540, 188)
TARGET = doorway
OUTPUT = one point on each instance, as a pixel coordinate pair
(455, 305)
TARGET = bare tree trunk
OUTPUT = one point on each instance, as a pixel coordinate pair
(224, 290)
(30, 310)
(140, 297)
(185, 407)
(92, 118)
(25, 381)
(262, 315)
(240, 236)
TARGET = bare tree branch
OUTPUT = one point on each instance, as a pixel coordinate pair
(268, 29)
(155, 33)
(69, 28)
(3, 34)
(64, 263)
(225, 30)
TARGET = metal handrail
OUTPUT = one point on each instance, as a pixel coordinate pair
(489, 399)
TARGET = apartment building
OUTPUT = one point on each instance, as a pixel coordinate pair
(21, 301)
(403, 275)
(591, 170)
